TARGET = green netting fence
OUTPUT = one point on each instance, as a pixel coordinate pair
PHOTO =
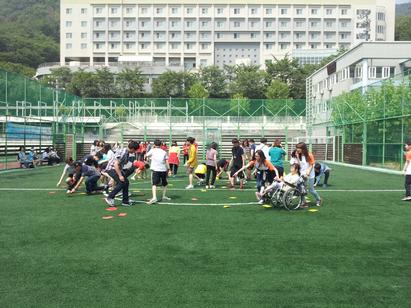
(372, 126)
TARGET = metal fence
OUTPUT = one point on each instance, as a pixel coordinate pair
(370, 127)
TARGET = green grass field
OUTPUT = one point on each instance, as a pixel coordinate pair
(56, 250)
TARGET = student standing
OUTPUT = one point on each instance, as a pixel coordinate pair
(211, 162)
(192, 161)
(174, 158)
(160, 168)
(407, 172)
(277, 155)
(237, 162)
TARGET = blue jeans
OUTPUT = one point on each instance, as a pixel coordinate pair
(312, 190)
(91, 184)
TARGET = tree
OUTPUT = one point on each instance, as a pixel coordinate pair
(130, 83)
(60, 78)
(197, 91)
(248, 81)
(84, 84)
(214, 81)
(18, 69)
(403, 28)
(277, 90)
(105, 82)
(173, 84)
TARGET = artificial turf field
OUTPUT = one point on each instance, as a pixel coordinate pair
(57, 251)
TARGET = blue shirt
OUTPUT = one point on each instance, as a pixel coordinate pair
(276, 156)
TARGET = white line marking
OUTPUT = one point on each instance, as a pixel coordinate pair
(216, 189)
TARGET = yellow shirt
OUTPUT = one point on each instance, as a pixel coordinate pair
(201, 169)
(192, 157)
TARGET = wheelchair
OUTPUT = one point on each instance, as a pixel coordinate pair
(289, 196)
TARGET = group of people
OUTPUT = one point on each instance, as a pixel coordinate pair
(114, 165)
(31, 159)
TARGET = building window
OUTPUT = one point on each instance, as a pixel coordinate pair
(204, 10)
(114, 10)
(69, 11)
(314, 11)
(203, 62)
(84, 35)
(268, 11)
(99, 10)
(236, 24)
(204, 46)
(329, 11)
(142, 34)
(69, 35)
(189, 10)
(83, 11)
(236, 35)
(344, 24)
(129, 10)
(299, 11)
(236, 11)
(253, 35)
(128, 46)
(385, 72)
(189, 24)
(283, 11)
(98, 46)
(220, 11)
(144, 10)
(84, 24)
(188, 46)
(268, 46)
(299, 23)
(69, 46)
(143, 46)
(343, 36)
(159, 10)
(219, 35)
(344, 11)
(284, 24)
(283, 46)
(68, 24)
(83, 46)
(372, 72)
(253, 11)
(381, 16)
(174, 10)
(268, 24)
(204, 23)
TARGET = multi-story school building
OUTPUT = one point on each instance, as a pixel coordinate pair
(188, 33)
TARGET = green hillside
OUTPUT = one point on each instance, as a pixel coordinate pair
(29, 34)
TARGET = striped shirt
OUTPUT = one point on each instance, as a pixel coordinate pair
(121, 156)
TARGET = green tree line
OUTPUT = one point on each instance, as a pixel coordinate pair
(282, 79)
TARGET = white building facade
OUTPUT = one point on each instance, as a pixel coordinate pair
(360, 68)
(189, 34)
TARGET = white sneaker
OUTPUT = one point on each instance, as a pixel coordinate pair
(190, 187)
(212, 187)
(165, 198)
(152, 201)
(261, 201)
(207, 187)
(109, 201)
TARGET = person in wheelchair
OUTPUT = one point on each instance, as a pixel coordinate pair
(291, 180)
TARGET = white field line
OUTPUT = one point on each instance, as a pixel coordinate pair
(215, 189)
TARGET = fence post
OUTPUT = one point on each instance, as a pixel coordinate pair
(204, 130)
(286, 142)
(6, 145)
(364, 144)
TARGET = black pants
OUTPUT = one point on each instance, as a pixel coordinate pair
(120, 186)
(326, 177)
(211, 169)
(174, 168)
(407, 185)
(280, 170)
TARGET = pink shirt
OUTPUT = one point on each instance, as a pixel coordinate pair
(210, 157)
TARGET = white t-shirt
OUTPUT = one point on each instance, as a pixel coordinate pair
(266, 150)
(304, 167)
(291, 178)
(158, 159)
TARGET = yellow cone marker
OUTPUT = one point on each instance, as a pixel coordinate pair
(226, 206)
(313, 210)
